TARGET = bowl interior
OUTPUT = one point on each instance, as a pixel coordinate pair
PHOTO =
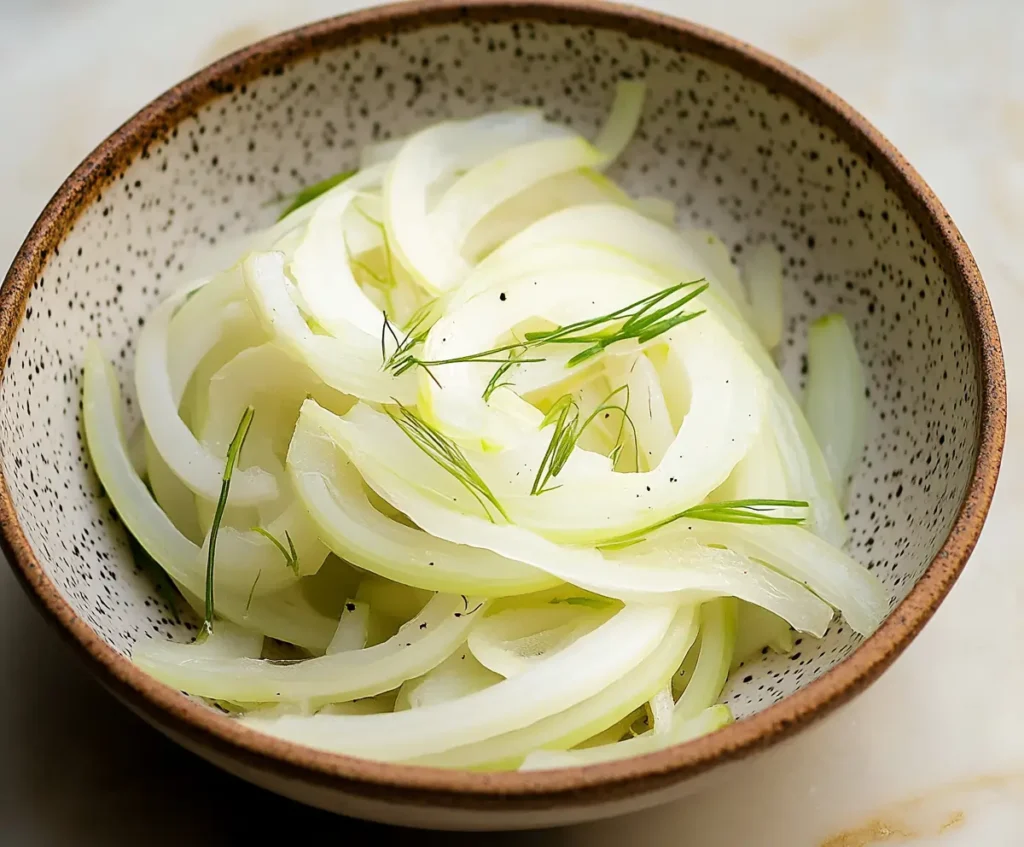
(732, 154)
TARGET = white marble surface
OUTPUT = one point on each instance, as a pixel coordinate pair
(932, 755)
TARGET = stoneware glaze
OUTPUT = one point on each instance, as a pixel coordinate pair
(740, 142)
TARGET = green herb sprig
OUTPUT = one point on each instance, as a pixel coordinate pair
(234, 448)
(642, 321)
(515, 357)
(752, 511)
(565, 415)
(415, 335)
(252, 590)
(447, 454)
(291, 558)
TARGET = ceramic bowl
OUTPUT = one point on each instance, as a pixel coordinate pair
(739, 141)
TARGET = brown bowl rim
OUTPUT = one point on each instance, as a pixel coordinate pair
(204, 728)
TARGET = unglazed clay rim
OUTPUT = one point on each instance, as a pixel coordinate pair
(205, 728)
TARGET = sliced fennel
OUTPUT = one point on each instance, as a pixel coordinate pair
(569, 727)
(516, 443)
(567, 678)
(457, 676)
(420, 645)
(285, 615)
(710, 720)
(352, 628)
(763, 273)
(717, 644)
(835, 399)
(510, 642)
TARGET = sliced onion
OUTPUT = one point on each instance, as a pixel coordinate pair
(684, 573)
(173, 496)
(558, 683)
(706, 722)
(717, 645)
(763, 273)
(595, 504)
(574, 725)
(758, 630)
(336, 499)
(799, 554)
(623, 120)
(835, 398)
(285, 615)
(351, 364)
(433, 155)
(321, 268)
(647, 408)
(501, 155)
(715, 259)
(512, 641)
(420, 644)
(211, 308)
(657, 209)
(662, 706)
(457, 676)
(352, 628)
(617, 228)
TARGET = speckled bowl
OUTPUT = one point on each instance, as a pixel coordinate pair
(741, 142)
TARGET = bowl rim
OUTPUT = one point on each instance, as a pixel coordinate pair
(199, 726)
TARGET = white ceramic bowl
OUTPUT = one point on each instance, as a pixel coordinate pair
(741, 142)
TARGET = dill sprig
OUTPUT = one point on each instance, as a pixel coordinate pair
(252, 590)
(291, 558)
(415, 335)
(447, 455)
(234, 448)
(515, 357)
(641, 321)
(565, 414)
(311, 192)
(752, 511)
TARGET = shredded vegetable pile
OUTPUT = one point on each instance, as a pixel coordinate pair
(474, 460)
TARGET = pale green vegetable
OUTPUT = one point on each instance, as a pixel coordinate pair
(457, 676)
(285, 615)
(510, 642)
(420, 645)
(710, 720)
(569, 727)
(763, 274)
(802, 556)
(616, 228)
(567, 678)
(657, 209)
(352, 628)
(336, 499)
(206, 313)
(835, 398)
(680, 573)
(662, 708)
(350, 364)
(171, 494)
(465, 451)
(758, 630)
(717, 644)
(498, 156)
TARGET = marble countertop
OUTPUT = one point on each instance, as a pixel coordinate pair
(933, 754)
